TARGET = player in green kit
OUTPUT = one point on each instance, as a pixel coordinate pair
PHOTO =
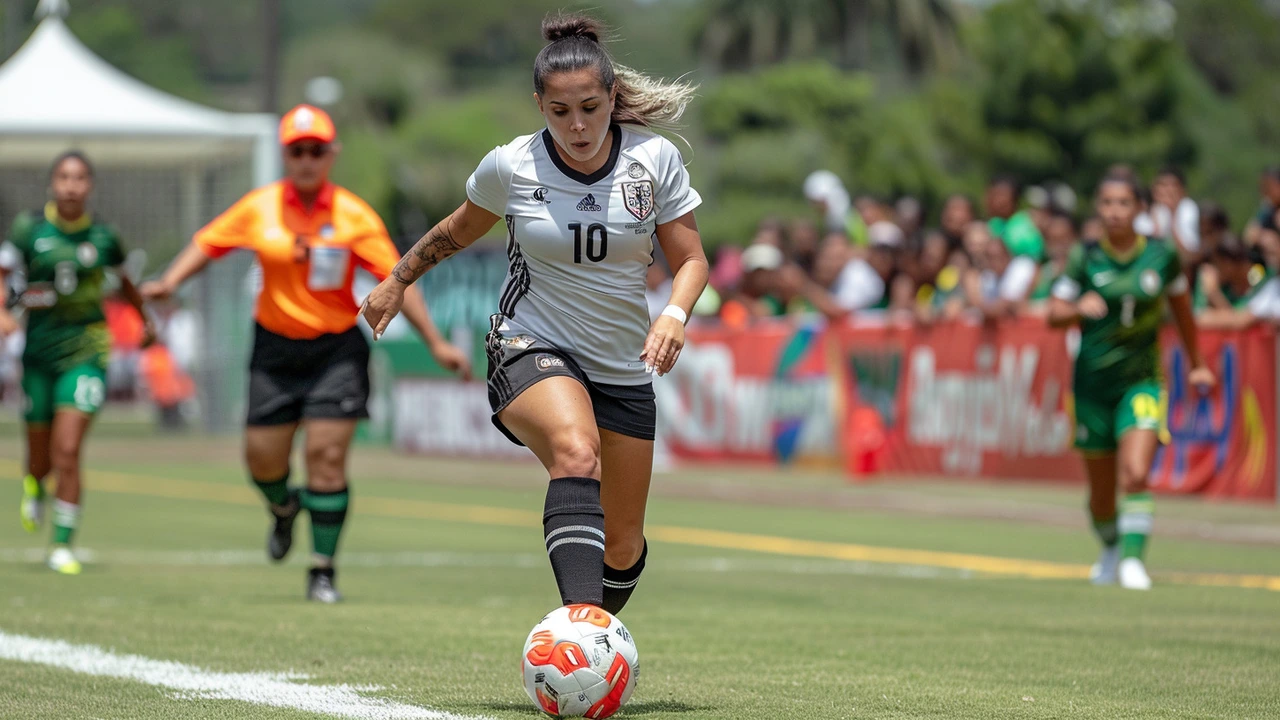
(66, 255)
(1115, 288)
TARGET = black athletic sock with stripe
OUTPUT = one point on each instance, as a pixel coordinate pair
(573, 528)
(619, 584)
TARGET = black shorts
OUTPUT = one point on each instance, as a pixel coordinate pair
(324, 377)
(517, 363)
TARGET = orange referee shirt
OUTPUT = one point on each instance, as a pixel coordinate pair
(308, 258)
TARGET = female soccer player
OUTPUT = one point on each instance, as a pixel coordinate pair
(1113, 289)
(66, 253)
(571, 348)
(310, 363)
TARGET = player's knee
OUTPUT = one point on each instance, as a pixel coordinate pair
(1133, 476)
(576, 454)
(65, 456)
(326, 466)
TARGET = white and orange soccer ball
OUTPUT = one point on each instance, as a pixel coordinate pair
(579, 661)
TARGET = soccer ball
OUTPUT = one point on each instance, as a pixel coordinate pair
(579, 661)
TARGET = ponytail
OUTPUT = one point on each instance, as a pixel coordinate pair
(574, 43)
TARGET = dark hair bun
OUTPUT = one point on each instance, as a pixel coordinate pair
(563, 26)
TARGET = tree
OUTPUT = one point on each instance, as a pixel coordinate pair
(744, 34)
(1065, 98)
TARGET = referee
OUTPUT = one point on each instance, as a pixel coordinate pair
(309, 366)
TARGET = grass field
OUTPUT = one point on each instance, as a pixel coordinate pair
(766, 596)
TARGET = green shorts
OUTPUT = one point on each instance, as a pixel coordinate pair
(82, 388)
(1101, 423)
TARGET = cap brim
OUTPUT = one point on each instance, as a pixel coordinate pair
(299, 137)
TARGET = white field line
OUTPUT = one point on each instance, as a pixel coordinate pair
(193, 683)
(235, 558)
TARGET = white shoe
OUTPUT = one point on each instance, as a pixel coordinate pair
(1104, 571)
(1133, 575)
(64, 561)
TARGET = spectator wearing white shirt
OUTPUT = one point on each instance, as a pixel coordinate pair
(1002, 285)
(865, 280)
(1172, 215)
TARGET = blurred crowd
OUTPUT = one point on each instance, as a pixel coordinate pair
(864, 255)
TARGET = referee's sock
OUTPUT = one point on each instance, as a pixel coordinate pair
(328, 514)
(573, 528)
(619, 584)
(276, 491)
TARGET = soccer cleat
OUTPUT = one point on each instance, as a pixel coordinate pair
(32, 504)
(280, 539)
(1133, 575)
(320, 586)
(1104, 571)
(62, 560)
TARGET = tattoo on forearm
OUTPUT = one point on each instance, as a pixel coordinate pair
(434, 247)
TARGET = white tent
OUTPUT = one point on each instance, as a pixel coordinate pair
(57, 92)
(165, 167)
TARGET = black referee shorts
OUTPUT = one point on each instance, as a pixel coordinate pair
(517, 363)
(323, 377)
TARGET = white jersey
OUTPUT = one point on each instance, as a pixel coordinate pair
(579, 245)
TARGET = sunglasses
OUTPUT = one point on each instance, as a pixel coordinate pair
(315, 151)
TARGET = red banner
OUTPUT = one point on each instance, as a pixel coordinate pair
(956, 399)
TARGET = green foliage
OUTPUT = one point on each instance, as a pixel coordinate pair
(167, 62)
(1063, 98)
(773, 128)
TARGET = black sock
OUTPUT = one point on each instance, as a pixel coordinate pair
(573, 528)
(619, 584)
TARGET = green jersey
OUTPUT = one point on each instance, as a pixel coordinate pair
(66, 272)
(1122, 349)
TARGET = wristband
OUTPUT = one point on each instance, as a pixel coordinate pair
(676, 312)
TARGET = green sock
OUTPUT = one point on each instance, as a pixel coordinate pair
(1136, 511)
(1107, 530)
(66, 518)
(328, 513)
(275, 491)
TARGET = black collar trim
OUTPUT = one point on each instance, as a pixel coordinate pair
(605, 170)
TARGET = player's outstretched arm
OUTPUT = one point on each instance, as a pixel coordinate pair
(1200, 375)
(190, 261)
(682, 245)
(464, 226)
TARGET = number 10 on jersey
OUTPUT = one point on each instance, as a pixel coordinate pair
(597, 242)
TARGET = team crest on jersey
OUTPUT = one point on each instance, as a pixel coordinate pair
(540, 195)
(1149, 280)
(639, 197)
(326, 231)
(635, 171)
(87, 254)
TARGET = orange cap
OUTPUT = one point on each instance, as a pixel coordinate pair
(305, 122)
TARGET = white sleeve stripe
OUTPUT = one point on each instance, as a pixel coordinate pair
(1064, 288)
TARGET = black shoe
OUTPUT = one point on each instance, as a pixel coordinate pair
(320, 586)
(280, 539)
